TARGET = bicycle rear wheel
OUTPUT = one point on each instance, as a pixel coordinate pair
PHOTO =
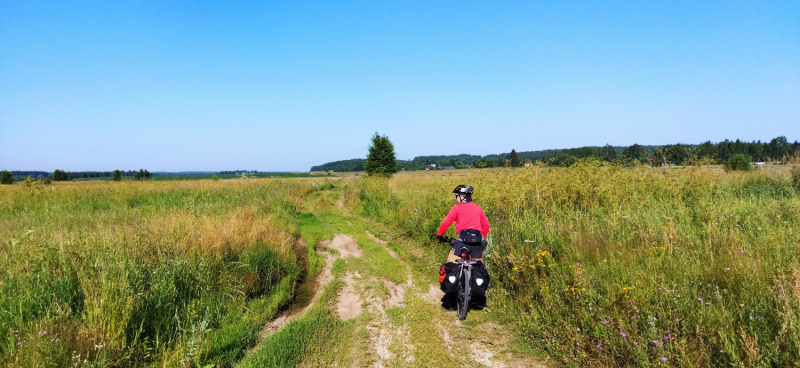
(463, 295)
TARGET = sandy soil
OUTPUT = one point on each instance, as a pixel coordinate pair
(349, 304)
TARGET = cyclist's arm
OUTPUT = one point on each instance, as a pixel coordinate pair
(448, 220)
(484, 225)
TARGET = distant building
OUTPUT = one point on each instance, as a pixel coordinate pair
(447, 168)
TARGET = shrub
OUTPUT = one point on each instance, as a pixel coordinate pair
(6, 177)
(117, 175)
(796, 176)
(738, 162)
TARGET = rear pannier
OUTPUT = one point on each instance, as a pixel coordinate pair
(448, 277)
(479, 282)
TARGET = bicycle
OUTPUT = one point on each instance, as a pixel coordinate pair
(464, 274)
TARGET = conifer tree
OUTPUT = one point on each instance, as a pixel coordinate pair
(381, 160)
(513, 159)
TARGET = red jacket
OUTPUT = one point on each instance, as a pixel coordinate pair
(467, 216)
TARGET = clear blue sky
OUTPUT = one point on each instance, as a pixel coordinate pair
(280, 86)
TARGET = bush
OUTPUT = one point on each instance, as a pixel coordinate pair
(117, 175)
(796, 176)
(6, 177)
(738, 162)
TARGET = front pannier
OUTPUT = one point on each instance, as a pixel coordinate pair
(448, 277)
(479, 282)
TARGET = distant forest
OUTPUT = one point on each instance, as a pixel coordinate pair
(20, 175)
(675, 154)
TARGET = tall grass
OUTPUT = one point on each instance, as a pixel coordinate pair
(134, 273)
(606, 265)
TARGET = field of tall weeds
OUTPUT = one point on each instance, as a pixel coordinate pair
(608, 265)
(140, 273)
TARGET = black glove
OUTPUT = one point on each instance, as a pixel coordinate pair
(440, 238)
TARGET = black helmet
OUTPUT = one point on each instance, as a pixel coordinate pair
(463, 189)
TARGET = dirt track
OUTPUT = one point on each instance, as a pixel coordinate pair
(396, 318)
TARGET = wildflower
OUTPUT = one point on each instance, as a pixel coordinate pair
(623, 335)
(636, 343)
(760, 319)
(634, 317)
(677, 319)
(722, 351)
(606, 322)
(43, 333)
(630, 301)
(52, 340)
(19, 343)
(700, 299)
(577, 343)
(663, 359)
(579, 329)
(599, 346)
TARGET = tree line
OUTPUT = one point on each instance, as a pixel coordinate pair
(676, 154)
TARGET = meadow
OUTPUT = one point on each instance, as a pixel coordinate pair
(592, 265)
(161, 177)
(606, 265)
(144, 273)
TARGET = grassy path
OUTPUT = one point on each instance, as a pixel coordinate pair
(375, 303)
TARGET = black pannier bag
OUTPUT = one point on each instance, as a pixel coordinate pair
(479, 281)
(470, 236)
(448, 277)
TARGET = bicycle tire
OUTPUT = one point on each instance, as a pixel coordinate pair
(462, 304)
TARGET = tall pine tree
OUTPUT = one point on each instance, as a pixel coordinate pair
(381, 160)
(514, 160)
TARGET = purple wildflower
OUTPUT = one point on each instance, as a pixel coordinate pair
(663, 359)
(623, 335)
(19, 343)
(700, 299)
(606, 322)
(636, 343)
(599, 346)
(43, 333)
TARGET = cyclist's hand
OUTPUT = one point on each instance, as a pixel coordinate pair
(440, 238)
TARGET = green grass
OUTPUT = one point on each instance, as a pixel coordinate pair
(137, 273)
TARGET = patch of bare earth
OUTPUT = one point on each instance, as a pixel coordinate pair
(345, 245)
(349, 304)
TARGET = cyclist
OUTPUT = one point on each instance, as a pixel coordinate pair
(467, 216)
